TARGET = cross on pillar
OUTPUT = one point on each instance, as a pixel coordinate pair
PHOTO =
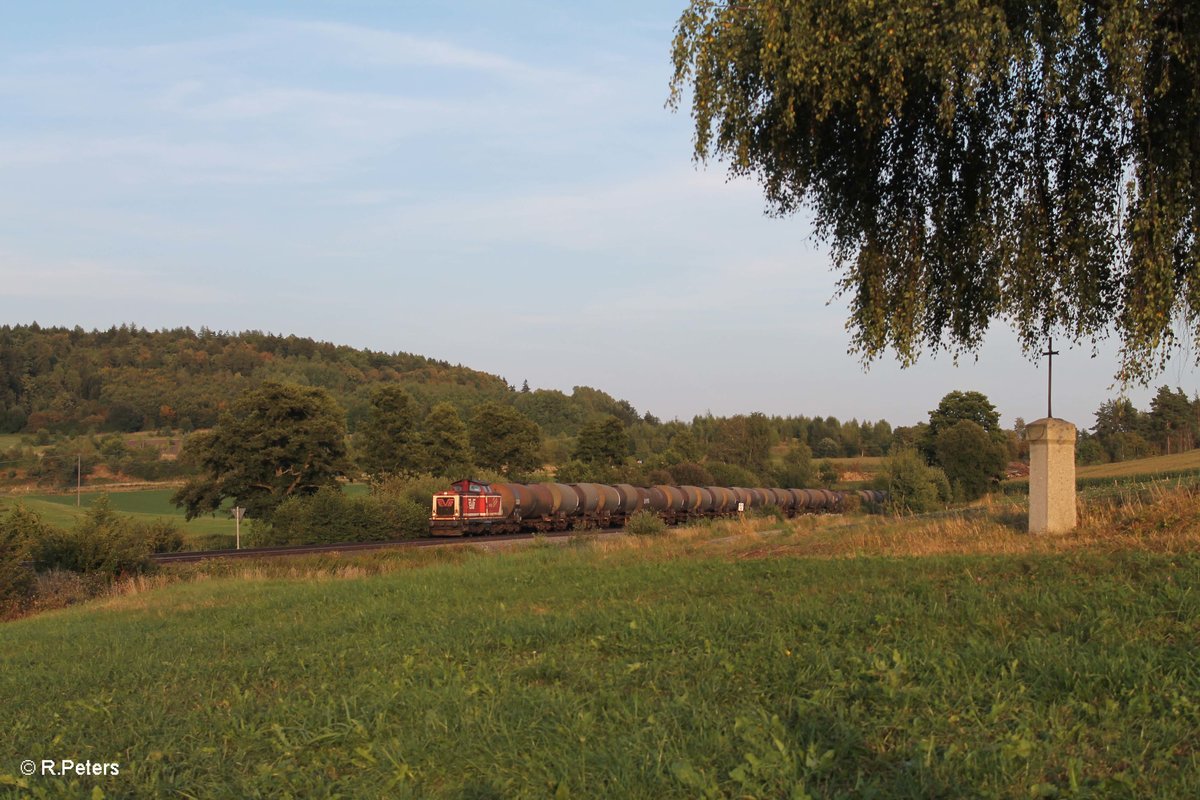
(1050, 354)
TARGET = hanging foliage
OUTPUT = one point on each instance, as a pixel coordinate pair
(971, 160)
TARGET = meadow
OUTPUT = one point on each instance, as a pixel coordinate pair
(204, 532)
(142, 504)
(828, 657)
(1176, 462)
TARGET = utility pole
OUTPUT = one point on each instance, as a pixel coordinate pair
(238, 511)
(78, 476)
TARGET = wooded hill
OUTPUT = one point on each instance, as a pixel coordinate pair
(129, 379)
(59, 382)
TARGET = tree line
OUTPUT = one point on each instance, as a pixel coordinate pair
(1123, 432)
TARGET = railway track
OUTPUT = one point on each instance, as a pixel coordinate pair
(187, 556)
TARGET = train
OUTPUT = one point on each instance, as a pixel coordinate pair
(471, 507)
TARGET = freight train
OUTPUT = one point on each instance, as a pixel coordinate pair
(473, 507)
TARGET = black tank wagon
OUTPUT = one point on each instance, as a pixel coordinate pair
(471, 507)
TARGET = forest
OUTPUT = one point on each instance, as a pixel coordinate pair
(125, 399)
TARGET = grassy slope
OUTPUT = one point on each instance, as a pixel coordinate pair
(60, 510)
(631, 670)
(146, 504)
(1143, 466)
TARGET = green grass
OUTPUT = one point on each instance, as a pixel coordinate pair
(566, 672)
(144, 504)
(8, 440)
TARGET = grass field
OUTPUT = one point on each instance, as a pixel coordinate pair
(1143, 466)
(144, 504)
(709, 663)
(206, 531)
(8, 440)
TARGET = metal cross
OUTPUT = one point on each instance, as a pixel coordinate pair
(1050, 354)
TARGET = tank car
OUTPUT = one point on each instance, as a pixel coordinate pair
(471, 507)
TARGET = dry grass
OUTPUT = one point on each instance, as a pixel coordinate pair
(1161, 520)
(1166, 521)
(1143, 466)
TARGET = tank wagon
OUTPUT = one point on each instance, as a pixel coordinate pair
(471, 507)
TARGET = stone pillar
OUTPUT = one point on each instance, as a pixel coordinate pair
(1051, 475)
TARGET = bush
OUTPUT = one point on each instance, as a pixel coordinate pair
(732, 475)
(645, 523)
(102, 542)
(580, 472)
(769, 511)
(797, 468)
(974, 460)
(19, 528)
(912, 485)
(160, 535)
(417, 488)
(689, 473)
(329, 517)
(828, 474)
(659, 477)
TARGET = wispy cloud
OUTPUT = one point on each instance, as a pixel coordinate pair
(30, 278)
(389, 48)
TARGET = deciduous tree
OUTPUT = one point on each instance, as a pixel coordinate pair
(503, 439)
(969, 160)
(602, 440)
(388, 441)
(274, 442)
(446, 442)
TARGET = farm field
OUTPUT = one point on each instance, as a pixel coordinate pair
(205, 531)
(711, 663)
(1143, 466)
(1100, 479)
(145, 504)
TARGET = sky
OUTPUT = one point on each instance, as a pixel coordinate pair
(493, 184)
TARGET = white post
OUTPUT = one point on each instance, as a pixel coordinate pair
(237, 525)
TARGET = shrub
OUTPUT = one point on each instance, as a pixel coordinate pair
(659, 477)
(329, 517)
(417, 488)
(912, 485)
(59, 588)
(828, 474)
(102, 542)
(852, 503)
(160, 535)
(973, 459)
(732, 475)
(689, 473)
(797, 468)
(644, 523)
(19, 528)
(580, 472)
(770, 511)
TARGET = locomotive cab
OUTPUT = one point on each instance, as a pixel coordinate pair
(469, 506)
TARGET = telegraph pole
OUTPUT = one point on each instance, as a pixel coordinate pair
(238, 511)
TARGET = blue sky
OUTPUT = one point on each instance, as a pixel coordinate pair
(493, 184)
